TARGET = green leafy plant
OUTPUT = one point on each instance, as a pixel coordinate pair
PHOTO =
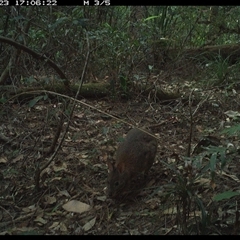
(187, 191)
(37, 99)
(233, 130)
(184, 194)
(225, 195)
(218, 69)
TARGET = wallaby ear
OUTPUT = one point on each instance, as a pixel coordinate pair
(110, 165)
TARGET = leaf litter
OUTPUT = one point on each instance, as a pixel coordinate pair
(72, 198)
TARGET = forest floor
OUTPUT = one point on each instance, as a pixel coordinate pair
(178, 195)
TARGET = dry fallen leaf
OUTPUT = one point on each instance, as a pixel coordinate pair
(174, 210)
(232, 114)
(59, 168)
(18, 158)
(64, 193)
(89, 225)
(30, 208)
(55, 179)
(3, 159)
(62, 227)
(47, 170)
(40, 220)
(49, 200)
(153, 203)
(102, 198)
(76, 206)
(170, 211)
(233, 177)
(54, 225)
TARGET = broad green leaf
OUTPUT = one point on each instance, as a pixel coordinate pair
(225, 195)
(34, 101)
(3, 100)
(213, 161)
